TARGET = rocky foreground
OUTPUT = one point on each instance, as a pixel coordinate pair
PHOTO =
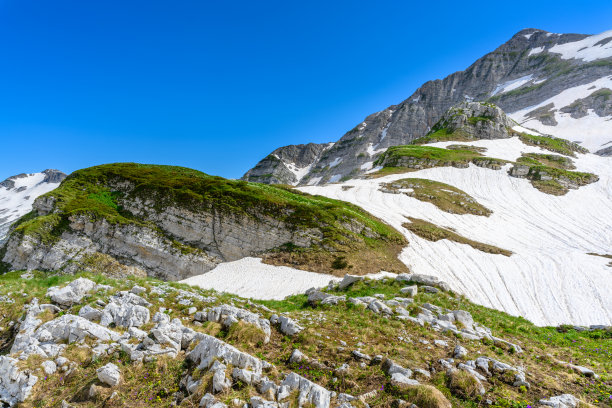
(93, 341)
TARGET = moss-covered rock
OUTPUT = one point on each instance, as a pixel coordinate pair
(173, 222)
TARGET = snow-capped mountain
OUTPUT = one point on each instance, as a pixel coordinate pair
(558, 84)
(17, 193)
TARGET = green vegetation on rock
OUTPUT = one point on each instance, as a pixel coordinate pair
(330, 334)
(395, 156)
(553, 144)
(444, 196)
(432, 232)
(106, 192)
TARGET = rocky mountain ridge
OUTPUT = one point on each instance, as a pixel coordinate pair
(545, 81)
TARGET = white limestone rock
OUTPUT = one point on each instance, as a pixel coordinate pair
(15, 384)
(109, 374)
(71, 294)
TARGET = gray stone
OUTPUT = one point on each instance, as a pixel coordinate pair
(410, 290)
(561, 401)
(72, 293)
(109, 374)
(348, 280)
(289, 326)
(91, 314)
(297, 356)
(15, 384)
(459, 351)
(49, 367)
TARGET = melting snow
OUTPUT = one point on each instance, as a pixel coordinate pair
(586, 49)
(335, 178)
(18, 203)
(250, 277)
(335, 162)
(536, 50)
(549, 279)
(513, 84)
(367, 165)
(592, 130)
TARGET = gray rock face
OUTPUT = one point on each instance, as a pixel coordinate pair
(125, 310)
(475, 120)
(215, 236)
(286, 165)
(309, 392)
(209, 349)
(482, 81)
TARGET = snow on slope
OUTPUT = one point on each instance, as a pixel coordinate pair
(588, 49)
(592, 131)
(17, 201)
(513, 84)
(550, 279)
(250, 277)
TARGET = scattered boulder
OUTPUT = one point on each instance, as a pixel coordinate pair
(126, 310)
(297, 356)
(289, 326)
(72, 293)
(348, 280)
(109, 374)
(309, 392)
(228, 315)
(90, 313)
(561, 401)
(410, 290)
(459, 351)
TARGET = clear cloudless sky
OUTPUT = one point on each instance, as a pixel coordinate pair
(217, 85)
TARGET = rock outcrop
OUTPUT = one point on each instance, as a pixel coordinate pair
(173, 223)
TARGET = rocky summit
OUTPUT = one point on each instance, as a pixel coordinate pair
(555, 84)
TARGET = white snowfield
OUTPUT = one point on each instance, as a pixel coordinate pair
(592, 131)
(588, 49)
(15, 203)
(250, 277)
(550, 279)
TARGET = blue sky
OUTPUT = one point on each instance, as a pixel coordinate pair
(217, 85)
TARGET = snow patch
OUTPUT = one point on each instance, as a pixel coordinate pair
(335, 178)
(549, 279)
(536, 50)
(367, 165)
(250, 277)
(592, 130)
(586, 49)
(335, 162)
(17, 202)
(513, 84)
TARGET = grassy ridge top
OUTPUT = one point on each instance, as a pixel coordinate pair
(393, 153)
(98, 191)
(112, 191)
